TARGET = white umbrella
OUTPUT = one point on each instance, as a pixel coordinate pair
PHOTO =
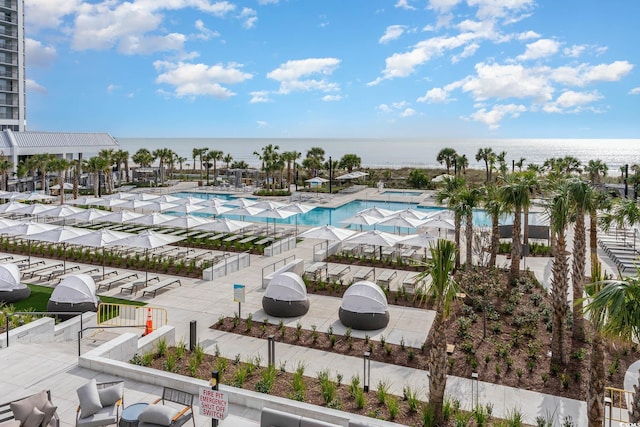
(245, 211)
(401, 222)
(316, 180)
(151, 219)
(298, 208)
(85, 200)
(186, 208)
(187, 221)
(377, 212)
(158, 206)
(441, 178)
(421, 240)
(224, 225)
(439, 223)
(34, 209)
(11, 206)
(214, 210)
(268, 204)
(241, 202)
(167, 199)
(88, 215)
(122, 195)
(60, 235)
(189, 201)
(214, 201)
(148, 240)
(121, 216)
(410, 213)
(144, 197)
(100, 239)
(327, 232)
(132, 204)
(108, 203)
(375, 238)
(276, 214)
(36, 197)
(361, 219)
(61, 211)
(26, 229)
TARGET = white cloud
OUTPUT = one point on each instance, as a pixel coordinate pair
(443, 6)
(260, 96)
(570, 101)
(404, 4)
(204, 32)
(493, 117)
(112, 88)
(528, 35)
(574, 51)
(145, 45)
(192, 80)
(436, 96)
(508, 81)
(505, 9)
(291, 75)
(584, 74)
(393, 32)
(37, 54)
(249, 18)
(331, 98)
(408, 112)
(384, 108)
(33, 86)
(262, 124)
(467, 52)
(398, 108)
(540, 49)
(264, 2)
(635, 91)
(49, 13)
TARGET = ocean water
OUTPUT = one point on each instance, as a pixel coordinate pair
(397, 153)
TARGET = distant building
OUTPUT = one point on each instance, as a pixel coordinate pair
(12, 66)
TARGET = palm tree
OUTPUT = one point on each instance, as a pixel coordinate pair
(202, 153)
(195, 153)
(469, 199)
(559, 211)
(95, 165)
(488, 156)
(5, 167)
(215, 155)
(502, 161)
(107, 155)
(142, 158)
(121, 158)
(314, 160)
(441, 291)
(462, 163)
(162, 154)
(581, 197)
(21, 172)
(289, 157)
(228, 158)
(494, 208)
(350, 162)
(76, 165)
(596, 169)
(514, 194)
(450, 193)
(270, 162)
(612, 311)
(60, 166)
(519, 164)
(531, 180)
(446, 156)
(180, 161)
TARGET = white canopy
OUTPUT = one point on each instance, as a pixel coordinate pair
(364, 297)
(75, 289)
(287, 287)
(9, 277)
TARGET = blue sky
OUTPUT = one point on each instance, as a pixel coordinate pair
(335, 68)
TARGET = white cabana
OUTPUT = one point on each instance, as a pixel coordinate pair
(286, 296)
(76, 293)
(364, 306)
(11, 290)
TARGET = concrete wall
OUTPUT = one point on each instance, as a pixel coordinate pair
(281, 246)
(321, 254)
(228, 265)
(44, 330)
(295, 266)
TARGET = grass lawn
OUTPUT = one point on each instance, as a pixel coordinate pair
(39, 297)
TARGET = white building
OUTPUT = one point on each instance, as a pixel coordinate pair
(12, 66)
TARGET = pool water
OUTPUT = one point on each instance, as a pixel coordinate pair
(333, 216)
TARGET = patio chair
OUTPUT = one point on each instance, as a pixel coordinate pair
(99, 403)
(173, 409)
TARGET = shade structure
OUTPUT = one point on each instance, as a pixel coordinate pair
(442, 178)
(167, 198)
(327, 232)
(435, 222)
(120, 195)
(76, 293)
(133, 204)
(61, 211)
(88, 215)
(108, 203)
(157, 206)
(286, 296)
(353, 175)
(268, 204)
(34, 209)
(364, 307)
(377, 212)
(11, 206)
(401, 222)
(60, 235)
(361, 219)
(410, 213)
(25, 230)
(151, 219)
(375, 238)
(187, 221)
(147, 197)
(214, 210)
(189, 201)
(275, 214)
(316, 180)
(36, 197)
(241, 202)
(243, 211)
(11, 290)
(121, 216)
(100, 239)
(422, 240)
(224, 225)
(213, 201)
(298, 208)
(148, 240)
(186, 208)
(85, 200)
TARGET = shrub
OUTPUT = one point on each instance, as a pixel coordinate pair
(382, 390)
(393, 407)
(266, 382)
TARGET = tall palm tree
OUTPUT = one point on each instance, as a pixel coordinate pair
(215, 156)
(195, 153)
(107, 155)
(60, 166)
(559, 211)
(202, 153)
(446, 156)
(494, 208)
(5, 168)
(613, 311)
(162, 154)
(488, 157)
(581, 197)
(180, 160)
(314, 160)
(441, 291)
(228, 158)
(596, 170)
(76, 164)
(514, 194)
(469, 199)
(21, 172)
(449, 193)
(95, 165)
(270, 162)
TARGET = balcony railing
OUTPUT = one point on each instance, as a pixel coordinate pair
(8, 75)
(7, 4)
(5, 116)
(8, 32)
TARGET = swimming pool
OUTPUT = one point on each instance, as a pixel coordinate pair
(333, 216)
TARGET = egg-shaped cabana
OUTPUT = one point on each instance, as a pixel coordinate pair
(364, 307)
(11, 290)
(286, 296)
(76, 293)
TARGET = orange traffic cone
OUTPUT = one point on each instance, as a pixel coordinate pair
(149, 326)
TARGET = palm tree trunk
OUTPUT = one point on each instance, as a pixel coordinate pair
(457, 227)
(96, 183)
(593, 234)
(61, 185)
(515, 244)
(559, 285)
(437, 367)
(495, 239)
(525, 231)
(595, 387)
(577, 275)
(469, 238)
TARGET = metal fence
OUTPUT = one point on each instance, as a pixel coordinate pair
(130, 315)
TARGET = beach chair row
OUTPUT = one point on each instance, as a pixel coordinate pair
(622, 253)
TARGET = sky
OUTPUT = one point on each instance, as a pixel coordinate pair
(334, 68)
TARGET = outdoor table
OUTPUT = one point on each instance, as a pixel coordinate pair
(130, 414)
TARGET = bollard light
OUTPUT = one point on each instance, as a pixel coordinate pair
(366, 378)
(474, 383)
(271, 350)
(215, 381)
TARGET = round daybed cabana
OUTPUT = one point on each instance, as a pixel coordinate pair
(286, 296)
(364, 307)
(76, 293)
(11, 290)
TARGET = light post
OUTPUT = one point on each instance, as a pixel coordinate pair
(366, 378)
(474, 384)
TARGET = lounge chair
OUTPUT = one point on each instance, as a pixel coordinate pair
(15, 413)
(107, 283)
(314, 271)
(153, 289)
(385, 277)
(336, 272)
(364, 273)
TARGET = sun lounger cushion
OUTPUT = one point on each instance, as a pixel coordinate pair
(110, 395)
(158, 414)
(89, 399)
